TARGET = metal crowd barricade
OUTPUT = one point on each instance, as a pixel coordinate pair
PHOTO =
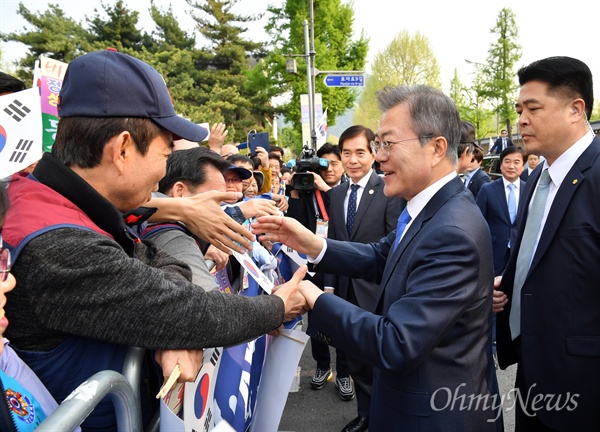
(75, 409)
(122, 388)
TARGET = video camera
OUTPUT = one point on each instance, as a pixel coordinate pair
(305, 165)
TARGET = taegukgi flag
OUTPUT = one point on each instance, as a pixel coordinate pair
(20, 131)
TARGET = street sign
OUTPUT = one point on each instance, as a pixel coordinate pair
(344, 80)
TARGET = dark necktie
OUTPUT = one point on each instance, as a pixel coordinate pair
(403, 221)
(351, 209)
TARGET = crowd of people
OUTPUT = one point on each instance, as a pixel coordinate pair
(426, 275)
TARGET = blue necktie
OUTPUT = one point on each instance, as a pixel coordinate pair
(403, 220)
(530, 234)
(351, 209)
(512, 203)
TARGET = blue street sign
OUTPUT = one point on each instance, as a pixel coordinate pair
(344, 80)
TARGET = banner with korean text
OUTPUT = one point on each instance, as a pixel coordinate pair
(51, 75)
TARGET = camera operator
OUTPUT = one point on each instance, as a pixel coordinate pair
(306, 207)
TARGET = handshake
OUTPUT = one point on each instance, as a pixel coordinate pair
(298, 295)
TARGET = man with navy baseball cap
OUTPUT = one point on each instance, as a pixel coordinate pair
(87, 288)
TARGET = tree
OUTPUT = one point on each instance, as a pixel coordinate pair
(334, 47)
(120, 30)
(471, 104)
(503, 55)
(407, 60)
(53, 35)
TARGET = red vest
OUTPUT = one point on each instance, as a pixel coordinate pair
(35, 209)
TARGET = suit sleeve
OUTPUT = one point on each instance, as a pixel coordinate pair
(481, 201)
(442, 278)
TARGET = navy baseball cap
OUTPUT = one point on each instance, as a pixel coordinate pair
(241, 171)
(112, 84)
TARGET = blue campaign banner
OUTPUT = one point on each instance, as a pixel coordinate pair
(344, 80)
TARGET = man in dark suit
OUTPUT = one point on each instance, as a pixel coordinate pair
(359, 212)
(499, 201)
(428, 339)
(476, 176)
(501, 143)
(548, 318)
(533, 161)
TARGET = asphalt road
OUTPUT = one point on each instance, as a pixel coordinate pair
(322, 410)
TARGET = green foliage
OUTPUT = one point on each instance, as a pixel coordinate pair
(407, 60)
(121, 29)
(334, 47)
(500, 77)
(595, 111)
(471, 104)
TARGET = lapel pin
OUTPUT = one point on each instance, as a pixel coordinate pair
(371, 192)
(575, 181)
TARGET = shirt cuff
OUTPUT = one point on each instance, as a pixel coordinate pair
(319, 257)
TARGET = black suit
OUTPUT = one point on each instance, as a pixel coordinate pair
(478, 179)
(494, 207)
(559, 347)
(498, 146)
(376, 216)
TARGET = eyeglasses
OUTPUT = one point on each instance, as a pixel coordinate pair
(378, 145)
(5, 262)
(233, 180)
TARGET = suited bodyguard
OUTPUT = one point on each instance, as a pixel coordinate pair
(501, 143)
(428, 339)
(499, 201)
(359, 212)
(548, 320)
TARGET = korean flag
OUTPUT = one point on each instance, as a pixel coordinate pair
(20, 131)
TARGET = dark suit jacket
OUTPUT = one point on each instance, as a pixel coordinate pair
(560, 313)
(429, 335)
(497, 147)
(479, 178)
(492, 203)
(525, 174)
(376, 216)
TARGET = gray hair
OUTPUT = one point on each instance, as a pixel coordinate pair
(432, 113)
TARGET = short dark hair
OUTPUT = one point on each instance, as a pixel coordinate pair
(477, 154)
(239, 158)
(354, 131)
(566, 77)
(10, 84)
(276, 156)
(277, 149)
(80, 141)
(188, 166)
(467, 137)
(511, 150)
(329, 148)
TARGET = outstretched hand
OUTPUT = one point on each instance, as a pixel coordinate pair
(289, 232)
(204, 217)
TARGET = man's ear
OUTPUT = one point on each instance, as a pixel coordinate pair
(121, 147)
(440, 147)
(179, 189)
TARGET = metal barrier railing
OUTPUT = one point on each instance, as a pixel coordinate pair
(75, 409)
